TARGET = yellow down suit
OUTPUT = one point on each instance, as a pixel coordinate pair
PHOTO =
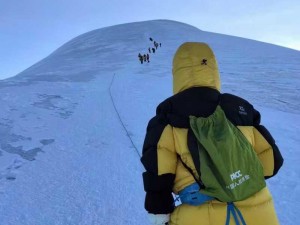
(196, 87)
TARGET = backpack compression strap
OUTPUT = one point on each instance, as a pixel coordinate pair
(232, 209)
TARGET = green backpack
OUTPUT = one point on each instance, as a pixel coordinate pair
(230, 169)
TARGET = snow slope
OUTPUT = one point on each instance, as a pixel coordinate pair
(72, 125)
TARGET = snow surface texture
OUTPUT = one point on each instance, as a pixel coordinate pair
(67, 157)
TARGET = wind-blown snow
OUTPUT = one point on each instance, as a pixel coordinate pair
(65, 157)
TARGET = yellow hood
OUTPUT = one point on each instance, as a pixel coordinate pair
(195, 65)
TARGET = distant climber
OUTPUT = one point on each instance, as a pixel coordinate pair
(159, 44)
(153, 50)
(150, 39)
(145, 58)
(148, 58)
(149, 50)
(141, 58)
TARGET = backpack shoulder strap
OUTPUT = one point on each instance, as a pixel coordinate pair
(199, 182)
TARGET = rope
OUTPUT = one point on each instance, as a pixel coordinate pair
(124, 127)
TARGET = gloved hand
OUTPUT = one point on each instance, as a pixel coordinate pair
(159, 219)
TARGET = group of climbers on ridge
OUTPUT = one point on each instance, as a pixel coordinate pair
(146, 57)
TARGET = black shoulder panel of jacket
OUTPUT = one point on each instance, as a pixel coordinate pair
(154, 130)
(237, 110)
(197, 101)
(159, 199)
(202, 102)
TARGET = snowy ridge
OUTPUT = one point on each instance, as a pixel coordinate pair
(65, 157)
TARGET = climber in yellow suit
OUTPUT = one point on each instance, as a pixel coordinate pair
(170, 166)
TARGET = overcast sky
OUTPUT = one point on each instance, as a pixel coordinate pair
(30, 30)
